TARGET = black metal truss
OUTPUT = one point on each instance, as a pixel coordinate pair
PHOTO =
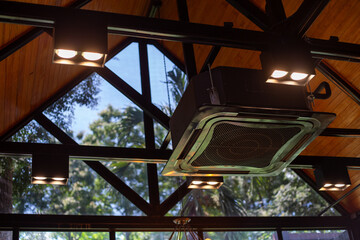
(83, 152)
(43, 16)
(98, 167)
(157, 223)
(69, 144)
(135, 26)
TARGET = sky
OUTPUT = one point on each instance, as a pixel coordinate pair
(126, 66)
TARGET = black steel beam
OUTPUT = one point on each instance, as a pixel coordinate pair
(188, 49)
(31, 35)
(341, 132)
(302, 162)
(330, 49)
(136, 26)
(119, 223)
(275, 11)
(323, 194)
(303, 18)
(252, 12)
(84, 152)
(134, 96)
(210, 58)
(339, 81)
(174, 198)
(153, 183)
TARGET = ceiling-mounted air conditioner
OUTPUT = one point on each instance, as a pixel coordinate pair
(235, 123)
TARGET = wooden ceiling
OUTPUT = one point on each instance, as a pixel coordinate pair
(28, 77)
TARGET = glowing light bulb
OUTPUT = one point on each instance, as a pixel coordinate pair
(327, 185)
(40, 178)
(58, 178)
(278, 74)
(339, 185)
(212, 183)
(91, 56)
(65, 53)
(197, 182)
(298, 76)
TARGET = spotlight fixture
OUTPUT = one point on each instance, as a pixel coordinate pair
(332, 177)
(50, 169)
(204, 182)
(288, 62)
(80, 40)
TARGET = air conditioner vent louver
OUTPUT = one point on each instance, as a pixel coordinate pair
(257, 129)
(244, 146)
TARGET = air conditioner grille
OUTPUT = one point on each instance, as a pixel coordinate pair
(234, 145)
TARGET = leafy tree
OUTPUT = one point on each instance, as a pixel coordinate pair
(285, 194)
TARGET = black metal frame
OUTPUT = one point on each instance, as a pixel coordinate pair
(183, 31)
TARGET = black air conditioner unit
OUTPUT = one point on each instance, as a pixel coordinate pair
(247, 127)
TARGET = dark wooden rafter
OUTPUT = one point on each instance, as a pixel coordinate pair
(188, 48)
(275, 11)
(304, 17)
(98, 167)
(153, 183)
(252, 12)
(32, 34)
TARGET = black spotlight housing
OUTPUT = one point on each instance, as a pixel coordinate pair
(80, 40)
(332, 177)
(288, 62)
(50, 169)
(204, 182)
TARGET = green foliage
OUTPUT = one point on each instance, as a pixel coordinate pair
(86, 193)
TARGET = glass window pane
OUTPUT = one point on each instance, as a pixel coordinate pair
(316, 235)
(258, 235)
(63, 235)
(133, 174)
(6, 235)
(126, 64)
(95, 113)
(85, 194)
(167, 81)
(143, 235)
(33, 133)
